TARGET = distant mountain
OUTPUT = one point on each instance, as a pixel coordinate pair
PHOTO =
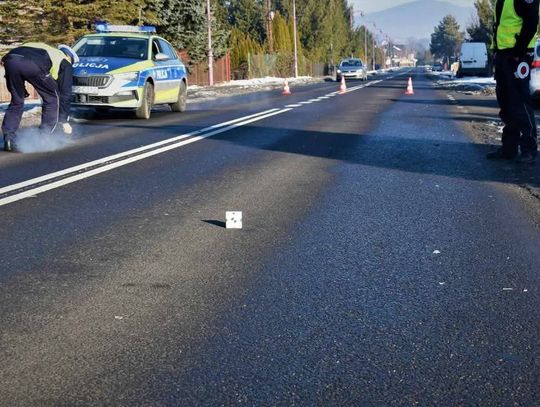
(417, 19)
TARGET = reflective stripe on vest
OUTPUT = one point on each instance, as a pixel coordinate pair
(56, 56)
(509, 27)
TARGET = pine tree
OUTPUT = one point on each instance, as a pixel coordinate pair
(248, 17)
(446, 38)
(20, 22)
(184, 24)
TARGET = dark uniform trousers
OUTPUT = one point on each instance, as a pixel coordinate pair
(514, 99)
(18, 70)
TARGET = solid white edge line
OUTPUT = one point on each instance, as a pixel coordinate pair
(123, 154)
(96, 171)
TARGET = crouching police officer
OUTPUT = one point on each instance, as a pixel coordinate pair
(516, 23)
(49, 70)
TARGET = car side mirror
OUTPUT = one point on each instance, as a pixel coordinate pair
(160, 56)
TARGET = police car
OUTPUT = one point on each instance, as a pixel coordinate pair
(128, 67)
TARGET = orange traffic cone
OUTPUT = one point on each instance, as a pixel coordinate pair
(410, 90)
(286, 89)
(343, 86)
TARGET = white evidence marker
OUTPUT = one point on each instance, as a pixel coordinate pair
(234, 219)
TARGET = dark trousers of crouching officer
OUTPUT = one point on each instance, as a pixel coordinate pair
(50, 72)
(516, 23)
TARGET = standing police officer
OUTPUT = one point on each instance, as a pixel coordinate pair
(50, 72)
(516, 23)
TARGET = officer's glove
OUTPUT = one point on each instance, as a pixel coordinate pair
(68, 130)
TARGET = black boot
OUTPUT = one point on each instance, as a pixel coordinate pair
(501, 154)
(9, 145)
(526, 157)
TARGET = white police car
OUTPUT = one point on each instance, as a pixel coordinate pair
(128, 67)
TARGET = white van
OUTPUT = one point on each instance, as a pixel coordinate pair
(473, 59)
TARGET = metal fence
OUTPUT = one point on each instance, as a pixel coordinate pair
(279, 65)
(198, 73)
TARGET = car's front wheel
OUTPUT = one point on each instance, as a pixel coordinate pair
(181, 104)
(144, 111)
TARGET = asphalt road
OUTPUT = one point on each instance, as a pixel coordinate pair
(382, 260)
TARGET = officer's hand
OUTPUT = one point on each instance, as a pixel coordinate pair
(68, 130)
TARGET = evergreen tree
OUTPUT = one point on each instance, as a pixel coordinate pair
(446, 38)
(184, 24)
(241, 47)
(283, 40)
(65, 20)
(248, 17)
(20, 22)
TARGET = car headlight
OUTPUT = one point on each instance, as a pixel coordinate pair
(339, 71)
(128, 76)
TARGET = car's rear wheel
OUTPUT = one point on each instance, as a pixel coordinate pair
(145, 110)
(181, 104)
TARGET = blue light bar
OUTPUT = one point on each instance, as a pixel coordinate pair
(108, 28)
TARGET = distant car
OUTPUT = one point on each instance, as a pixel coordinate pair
(352, 68)
(437, 67)
(128, 67)
(534, 84)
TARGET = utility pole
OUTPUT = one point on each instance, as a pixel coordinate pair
(365, 43)
(210, 51)
(373, 52)
(373, 38)
(295, 46)
(269, 17)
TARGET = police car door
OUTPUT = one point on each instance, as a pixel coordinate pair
(161, 74)
(175, 70)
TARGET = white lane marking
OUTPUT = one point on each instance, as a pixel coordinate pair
(123, 154)
(296, 105)
(108, 167)
(172, 144)
(314, 100)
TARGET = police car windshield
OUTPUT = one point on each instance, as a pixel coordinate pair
(112, 47)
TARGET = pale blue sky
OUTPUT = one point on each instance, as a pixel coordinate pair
(370, 6)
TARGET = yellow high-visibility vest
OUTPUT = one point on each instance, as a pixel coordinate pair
(55, 55)
(509, 27)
